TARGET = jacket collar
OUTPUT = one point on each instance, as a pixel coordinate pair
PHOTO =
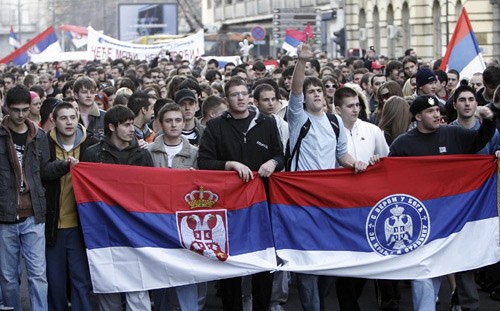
(158, 146)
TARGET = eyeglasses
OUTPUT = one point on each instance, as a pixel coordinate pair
(331, 86)
(238, 94)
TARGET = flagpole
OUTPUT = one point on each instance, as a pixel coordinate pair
(447, 22)
(19, 21)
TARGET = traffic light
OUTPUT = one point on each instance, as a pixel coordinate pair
(340, 41)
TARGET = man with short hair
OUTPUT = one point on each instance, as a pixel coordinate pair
(184, 71)
(453, 78)
(441, 86)
(286, 77)
(364, 139)
(465, 103)
(242, 140)
(119, 146)
(172, 150)
(30, 80)
(266, 100)
(46, 84)
(212, 64)
(365, 142)
(411, 52)
(146, 81)
(320, 149)
(93, 74)
(9, 81)
(259, 70)
(312, 67)
(228, 67)
(142, 107)
(491, 80)
(116, 73)
(91, 117)
(65, 252)
(193, 129)
(476, 81)
(141, 70)
(212, 107)
(357, 75)
(22, 203)
(430, 138)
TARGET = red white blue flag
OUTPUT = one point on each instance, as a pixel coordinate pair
(147, 228)
(294, 37)
(13, 38)
(78, 35)
(463, 53)
(44, 43)
(404, 218)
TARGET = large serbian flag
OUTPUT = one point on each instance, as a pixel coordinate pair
(44, 43)
(463, 53)
(147, 228)
(403, 218)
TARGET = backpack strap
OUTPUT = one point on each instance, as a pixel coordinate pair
(296, 149)
(334, 122)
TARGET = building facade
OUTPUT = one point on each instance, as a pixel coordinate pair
(391, 26)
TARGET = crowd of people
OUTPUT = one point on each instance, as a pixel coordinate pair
(310, 113)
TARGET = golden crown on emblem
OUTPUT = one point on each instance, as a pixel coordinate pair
(201, 198)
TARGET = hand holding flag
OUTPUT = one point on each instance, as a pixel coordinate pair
(294, 37)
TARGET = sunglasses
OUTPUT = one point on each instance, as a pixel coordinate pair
(331, 86)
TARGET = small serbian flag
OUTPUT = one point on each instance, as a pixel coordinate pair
(404, 218)
(13, 39)
(463, 53)
(147, 228)
(294, 37)
(78, 35)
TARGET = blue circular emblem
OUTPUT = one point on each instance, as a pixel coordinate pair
(397, 224)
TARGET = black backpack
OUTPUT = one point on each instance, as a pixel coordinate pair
(334, 122)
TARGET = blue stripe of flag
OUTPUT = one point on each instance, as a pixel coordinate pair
(112, 226)
(292, 41)
(463, 52)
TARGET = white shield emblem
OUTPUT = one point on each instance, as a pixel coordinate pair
(204, 232)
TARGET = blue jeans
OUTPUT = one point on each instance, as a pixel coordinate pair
(28, 239)
(187, 296)
(68, 256)
(308, 291)
(425, 292)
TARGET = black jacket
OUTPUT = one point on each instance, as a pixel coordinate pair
(222, 142)
(105, 152)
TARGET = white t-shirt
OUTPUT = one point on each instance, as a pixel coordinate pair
(172, 151)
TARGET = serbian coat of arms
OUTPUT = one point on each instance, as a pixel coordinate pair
(204, 230)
